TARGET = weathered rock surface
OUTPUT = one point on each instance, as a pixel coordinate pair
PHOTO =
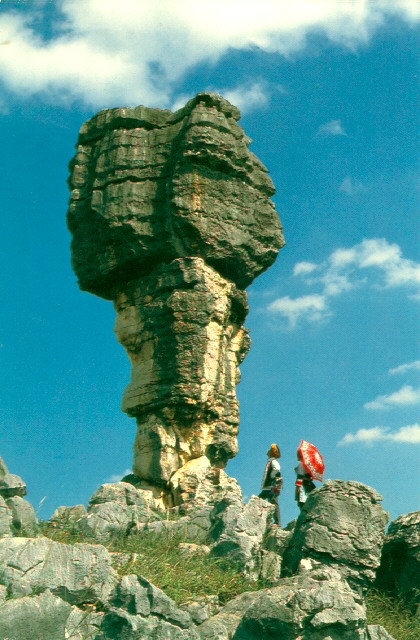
(79, 573)
(171, 218)
(40, 617)
(343, 526)
(117, 509)
(24, 520)
(137, 609)
(314, 606)
(10, 484)
(148, 186)
(399, 570)
(17, 516)
(5, 519)
(239, 530)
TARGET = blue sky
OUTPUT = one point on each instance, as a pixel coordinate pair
(328, 92)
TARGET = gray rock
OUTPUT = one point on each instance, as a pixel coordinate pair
(137, 609)
(201, 608)
(83, 624)
(376, 632)
(120, 625)
(341, 525)
(117, 509)
(3, 593)
(5, 519)
(137, 595)
(24, 520)
(127, 494)
(3, 468)
(399, 571)
(137, 182)
(238, 531)
(41, 617)
(67, 516)
(192, 549)
(12, 485)
(80, 573)
(314, 606)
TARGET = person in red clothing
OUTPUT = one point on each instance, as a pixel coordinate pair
(272, 481)
(303, 484)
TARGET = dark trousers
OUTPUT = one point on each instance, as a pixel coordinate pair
(267, 494)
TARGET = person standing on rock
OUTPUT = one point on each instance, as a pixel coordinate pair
(303, 484)
(272, 481)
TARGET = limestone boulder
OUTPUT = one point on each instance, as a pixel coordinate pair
(238, 532)
(3, 468)
(341, 525)
(5, 519)
(399, 570)
(377, 632)
(66, 517)
(80, 573)
(41, 617)
(314, 606)
(199, 484)
(12, 485)
(117, 509)
(24, 521)
(138, 609)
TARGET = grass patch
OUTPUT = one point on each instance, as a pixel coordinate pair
(161, 561)
(181, 576)
(393, 614)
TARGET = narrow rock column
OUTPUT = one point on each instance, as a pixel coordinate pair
(171, 218)
(182, 329)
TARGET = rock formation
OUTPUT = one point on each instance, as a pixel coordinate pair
(342, 525)
(17, 515)
(399, 571)
(171, 218)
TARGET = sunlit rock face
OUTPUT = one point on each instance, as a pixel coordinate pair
(171, 218)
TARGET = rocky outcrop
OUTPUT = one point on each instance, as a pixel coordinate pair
(55, 591)
(78, 574)
(171, 218)
(138, 609)
(238, 532)
(313, 606)
(399, 571)
(341, 525)
(17, 515)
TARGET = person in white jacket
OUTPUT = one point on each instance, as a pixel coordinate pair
(272, 481)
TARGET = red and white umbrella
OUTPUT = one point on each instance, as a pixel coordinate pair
(311, 460)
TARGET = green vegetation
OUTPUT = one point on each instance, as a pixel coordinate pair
(393, 614)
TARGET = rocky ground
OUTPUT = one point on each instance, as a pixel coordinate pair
(317, 570)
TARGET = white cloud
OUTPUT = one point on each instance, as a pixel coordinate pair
(403, 368)
(332, 128)
(409, 434)
(116, 477)
(405, 396)
(351, 187)
(249, 96)
(129, 52)
(302, 268)
(373, 263)
(311, 308)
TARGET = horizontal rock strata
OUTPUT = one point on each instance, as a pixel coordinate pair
(171, 218)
